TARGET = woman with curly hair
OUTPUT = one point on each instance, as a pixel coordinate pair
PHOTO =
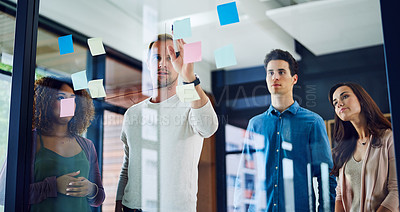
(65, 171)
(364, 157)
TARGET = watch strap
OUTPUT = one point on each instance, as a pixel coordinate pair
(196, 82)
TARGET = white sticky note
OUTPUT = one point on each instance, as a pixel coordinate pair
(187, 93)
(325, 185)
(287, 146)
(79, 80)
(96, 46)
(287, 167)
(96, 88)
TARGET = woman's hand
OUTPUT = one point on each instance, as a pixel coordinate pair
(64, 180)
(81, 187)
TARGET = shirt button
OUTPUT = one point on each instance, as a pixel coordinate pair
(276, 167)
(276, 185)
(277, 133)
(277, 150)
(274, 204)
(280, 117)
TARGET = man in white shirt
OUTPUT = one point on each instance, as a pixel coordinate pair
(163, 137)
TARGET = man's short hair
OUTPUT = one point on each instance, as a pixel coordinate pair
(278, 54)
(160, 37)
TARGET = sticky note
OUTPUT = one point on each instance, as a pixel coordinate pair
(192, 52)
(96, 46)
(96, 88)
(287, 166)
(65, 44)
(67, 107)
(182, 29)
(228, 13)
(287, 146)
(79, 80)
(187, 93)
(225, 56)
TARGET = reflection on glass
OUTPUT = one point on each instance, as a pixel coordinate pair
(123, 84)
(48, 55)
(5, 91)
(112, 157)
(7, 30)
(65, 172)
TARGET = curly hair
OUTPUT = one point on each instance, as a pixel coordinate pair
(278, 54)
(46, 90)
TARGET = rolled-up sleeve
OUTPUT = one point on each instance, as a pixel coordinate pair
(204, 120)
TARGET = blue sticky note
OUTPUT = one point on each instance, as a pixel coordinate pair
(228, 13)
(225, 56)
(182, 29)
(79, 80)
(65, 44)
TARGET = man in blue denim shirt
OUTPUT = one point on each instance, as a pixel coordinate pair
(294, 148)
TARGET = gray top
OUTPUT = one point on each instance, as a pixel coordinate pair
(162, 144)
(353, 175)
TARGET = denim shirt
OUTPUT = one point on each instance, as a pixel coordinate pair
(293, 146)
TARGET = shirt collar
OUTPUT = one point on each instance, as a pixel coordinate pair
(292, 109)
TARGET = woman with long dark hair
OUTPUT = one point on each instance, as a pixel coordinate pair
(364, 157)
(65, 171)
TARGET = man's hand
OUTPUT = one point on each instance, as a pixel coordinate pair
(184, 70)
(64, 180)
(118, 206)
(82, 187)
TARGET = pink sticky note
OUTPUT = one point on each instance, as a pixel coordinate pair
(67, 107)
(192, 52)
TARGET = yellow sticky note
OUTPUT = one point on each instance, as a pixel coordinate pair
(187, 93)
(96, 46)
(96, 88)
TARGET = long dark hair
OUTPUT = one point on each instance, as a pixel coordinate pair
(344, 133)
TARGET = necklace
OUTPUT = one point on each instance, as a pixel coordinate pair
(361, 141)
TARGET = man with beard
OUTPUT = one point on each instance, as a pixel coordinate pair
(163, 137)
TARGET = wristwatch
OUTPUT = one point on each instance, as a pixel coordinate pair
(196, 81)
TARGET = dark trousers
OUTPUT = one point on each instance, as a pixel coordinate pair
(126, 209)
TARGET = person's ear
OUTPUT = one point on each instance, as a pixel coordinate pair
(295, 78)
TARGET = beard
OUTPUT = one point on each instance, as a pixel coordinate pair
(165, 81)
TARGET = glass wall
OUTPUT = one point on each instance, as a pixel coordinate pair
(7, 31)
(114, 125)
(112, 157)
